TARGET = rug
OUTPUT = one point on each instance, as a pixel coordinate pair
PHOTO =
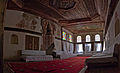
(70, 65)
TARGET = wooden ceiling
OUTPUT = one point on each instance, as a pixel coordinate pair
(74, 15)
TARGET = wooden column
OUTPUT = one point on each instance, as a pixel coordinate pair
(3, 4)
(74, 43)
(92, 47)
(102, 42)
(83, 42)
(62, 38)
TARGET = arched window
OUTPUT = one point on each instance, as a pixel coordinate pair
(14, 39)
(70, 38)
(88, 38)
(97, 37)
(64, 36)
(79, 39)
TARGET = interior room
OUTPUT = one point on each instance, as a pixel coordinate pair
(59, 36)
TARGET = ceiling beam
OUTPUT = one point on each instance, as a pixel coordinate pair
(101, 6)
(89, 30)
(37, 13)
(50, 7)
(33, 4)
(90, 5)
(36, 9)
(69, 30)
(83, 23)
(74, 20)
(79, 20)
(19, 3)
(84, 31)
(95, 16)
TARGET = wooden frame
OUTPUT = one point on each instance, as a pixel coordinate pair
(31, 43)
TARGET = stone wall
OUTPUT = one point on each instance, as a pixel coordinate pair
(21, 24)
(113, 33)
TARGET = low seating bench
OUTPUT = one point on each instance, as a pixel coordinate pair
(33, 55)
(105, 60)
(64, 54)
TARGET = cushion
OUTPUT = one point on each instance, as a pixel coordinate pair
(101, 54)
(33, 52)
(103, 59)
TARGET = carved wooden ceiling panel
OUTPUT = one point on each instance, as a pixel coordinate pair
(86, 27)
(74, 15)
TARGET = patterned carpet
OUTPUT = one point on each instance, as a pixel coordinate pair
(70, 65)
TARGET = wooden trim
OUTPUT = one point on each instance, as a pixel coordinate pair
(22, 30)
(75, 20)
(90, 42)
(83, 23)
(89, 30)
(33, 40)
